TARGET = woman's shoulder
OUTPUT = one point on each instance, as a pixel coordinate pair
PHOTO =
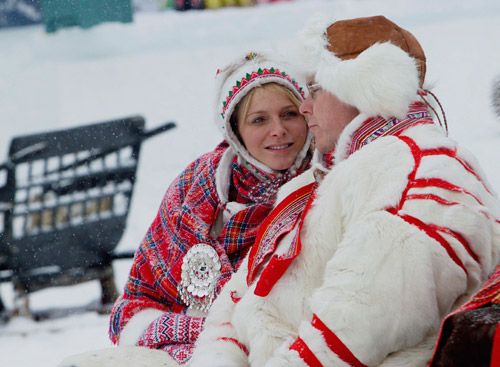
(202, 169)
(211, 158)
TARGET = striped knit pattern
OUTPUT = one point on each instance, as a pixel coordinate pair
(281, 221)
(174, 333)
(374, 128)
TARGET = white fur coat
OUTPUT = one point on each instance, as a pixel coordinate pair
(398, 235)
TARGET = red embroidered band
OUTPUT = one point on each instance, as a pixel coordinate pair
(305, 353)
(432, 233)
(279, 221)
(278, 265)
(239, 344)
(335, 344)
(258, 74)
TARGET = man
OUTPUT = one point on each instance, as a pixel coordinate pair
(359, 266)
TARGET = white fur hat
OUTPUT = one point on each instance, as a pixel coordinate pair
(369, 63)
(241, 76)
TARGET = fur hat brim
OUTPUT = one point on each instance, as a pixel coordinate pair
(382, 80)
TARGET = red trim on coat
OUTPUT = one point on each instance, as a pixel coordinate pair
(418, 154)
(438, 182)
(268, 222)
(305, 353)
(335, 344)
(277, 265)
(234, 297)
(432, 233)
(239, 344)
(458, 237)
(452, 153)
(436, 198)
(440, 151)
(417, 157)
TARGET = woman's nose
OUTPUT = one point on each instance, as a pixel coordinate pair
(278, 127)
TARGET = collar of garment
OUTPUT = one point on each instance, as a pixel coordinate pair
(363, 130)
(246, 184)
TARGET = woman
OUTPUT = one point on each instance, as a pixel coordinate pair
(209, 215)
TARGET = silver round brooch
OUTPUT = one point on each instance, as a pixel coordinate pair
(200, 271)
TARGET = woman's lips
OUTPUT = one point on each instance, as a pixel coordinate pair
(278, 147)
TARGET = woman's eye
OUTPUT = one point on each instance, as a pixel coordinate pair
(258, 120)
(290, 114)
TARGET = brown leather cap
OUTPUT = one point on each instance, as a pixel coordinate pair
(348, 38)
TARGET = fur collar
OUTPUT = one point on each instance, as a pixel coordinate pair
(363, 129)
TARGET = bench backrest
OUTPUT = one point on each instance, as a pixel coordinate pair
(66, 198)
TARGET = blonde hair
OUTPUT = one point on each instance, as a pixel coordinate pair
(241, 110)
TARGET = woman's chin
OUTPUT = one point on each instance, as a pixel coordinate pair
(279, 165)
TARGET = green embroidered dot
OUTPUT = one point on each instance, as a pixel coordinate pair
(238, 83)
(272, 70)
(259, 71)
(247, 76)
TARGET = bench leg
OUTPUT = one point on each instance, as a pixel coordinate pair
(21, 301)
(108, 288)
(4, 316)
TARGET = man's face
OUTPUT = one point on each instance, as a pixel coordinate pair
(326, 116)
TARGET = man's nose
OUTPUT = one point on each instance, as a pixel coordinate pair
(306, 106)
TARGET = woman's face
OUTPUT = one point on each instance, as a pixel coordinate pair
(273, 130)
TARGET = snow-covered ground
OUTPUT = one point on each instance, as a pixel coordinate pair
(162, 67)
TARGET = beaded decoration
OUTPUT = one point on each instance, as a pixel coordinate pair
(251, 77)
(200, 271)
